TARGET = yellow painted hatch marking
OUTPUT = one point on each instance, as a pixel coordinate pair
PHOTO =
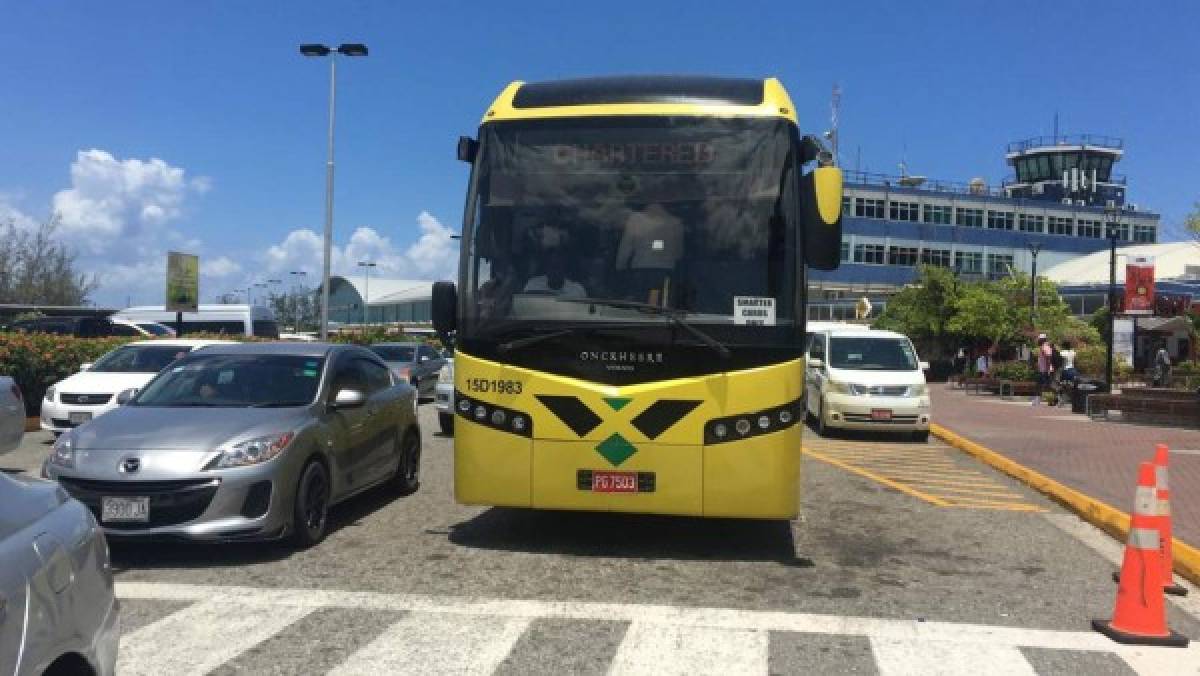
(928, 473)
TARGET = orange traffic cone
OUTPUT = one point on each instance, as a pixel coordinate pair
(1140, 615)
(1163, 521)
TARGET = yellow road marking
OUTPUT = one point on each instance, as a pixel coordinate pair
(969, 492)
(883, 480)
(951, 482)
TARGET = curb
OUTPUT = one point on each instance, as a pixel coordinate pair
(1108, 519)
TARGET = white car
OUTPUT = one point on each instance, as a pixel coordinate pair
(445, 397)
(866, 380)
(94, 390)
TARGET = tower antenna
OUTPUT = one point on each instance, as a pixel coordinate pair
(834, 104)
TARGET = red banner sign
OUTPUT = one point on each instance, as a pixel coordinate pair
(1139, 285)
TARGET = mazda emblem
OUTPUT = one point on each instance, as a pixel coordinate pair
(130, 465)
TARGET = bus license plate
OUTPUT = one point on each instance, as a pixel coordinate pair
(614, 482)
(124, 509)
(881, 414)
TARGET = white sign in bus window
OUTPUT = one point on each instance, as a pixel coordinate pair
(754, 310)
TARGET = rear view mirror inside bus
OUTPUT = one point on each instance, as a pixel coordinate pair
(821, 217)
(467, 148)
(444, 308)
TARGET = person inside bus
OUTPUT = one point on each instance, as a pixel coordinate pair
(554, 281)
(495, 295)
(651, 244)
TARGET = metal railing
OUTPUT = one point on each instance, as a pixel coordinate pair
(1098, 140)
(1115, 179)
(919, 183)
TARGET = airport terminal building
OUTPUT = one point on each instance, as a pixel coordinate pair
(1058, 201)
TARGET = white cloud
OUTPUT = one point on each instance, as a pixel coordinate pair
(11, 213)
(111, 199)
(222, 266)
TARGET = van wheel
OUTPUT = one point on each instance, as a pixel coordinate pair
(408, 472)
(446, 422)
(310, 513)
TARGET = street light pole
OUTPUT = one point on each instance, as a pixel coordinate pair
(298, 289)
(1034, 248)
(349, 49)
(366, 266)
(1111, 214)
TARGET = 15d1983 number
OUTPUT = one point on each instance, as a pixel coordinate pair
(498, 386)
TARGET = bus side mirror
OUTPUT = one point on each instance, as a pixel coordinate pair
(444, 308)
(467, 149)
(821, 217)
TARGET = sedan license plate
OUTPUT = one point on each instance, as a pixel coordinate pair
(124, 509)
(614, 482)
(881, 414)
(79, 417)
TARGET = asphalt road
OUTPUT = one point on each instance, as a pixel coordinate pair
(860, 550)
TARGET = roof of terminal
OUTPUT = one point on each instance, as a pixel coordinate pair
(643, 95)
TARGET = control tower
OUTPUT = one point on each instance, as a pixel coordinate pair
(1070, 169)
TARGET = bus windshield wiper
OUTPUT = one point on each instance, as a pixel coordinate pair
(532, 340)
(675, 316)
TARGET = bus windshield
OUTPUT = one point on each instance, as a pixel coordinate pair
(682, 213)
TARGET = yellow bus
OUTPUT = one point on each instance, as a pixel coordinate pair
(629, 313)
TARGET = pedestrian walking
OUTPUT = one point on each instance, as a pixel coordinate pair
(1068, 362)
(983, 365)
(1162, 367)
(1045, 365)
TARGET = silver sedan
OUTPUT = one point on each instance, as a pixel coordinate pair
(252, 441)
(12, 414)
(58, 614)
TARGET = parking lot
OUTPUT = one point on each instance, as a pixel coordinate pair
(873, 578)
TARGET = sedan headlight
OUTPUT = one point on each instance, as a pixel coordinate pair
(918, 390)
(50, 393)
(252, 451)
(63, 452)
(446, 375)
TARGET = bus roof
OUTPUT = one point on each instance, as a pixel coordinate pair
(643, 95)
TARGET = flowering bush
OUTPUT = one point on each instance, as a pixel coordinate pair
(38, 360)
(1017, 371)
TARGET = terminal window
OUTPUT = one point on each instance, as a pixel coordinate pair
(999, 264)
(969, 262)
(1143, 233)
(846, 201)
(1088, 228)
(1058, 225)
(938, 257)
(1030, 223)
(1123, 231)
(1000, 220)
(902, 255)
(938, 213)
(872, 254)
(845, 251)
(972, 218)
(904, 211)
(869, 208)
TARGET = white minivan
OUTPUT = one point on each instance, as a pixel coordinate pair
(231, 320)
(866, 380)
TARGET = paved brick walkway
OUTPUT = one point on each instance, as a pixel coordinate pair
(1096, 458)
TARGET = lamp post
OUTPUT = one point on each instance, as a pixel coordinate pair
(316, 50)
(1110, 213)
(366, 266)
(298, 289)
(1034, 248)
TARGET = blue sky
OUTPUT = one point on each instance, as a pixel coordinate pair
(217, 93)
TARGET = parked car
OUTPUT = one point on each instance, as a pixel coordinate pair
(58, 614)
(232, 320)
(128, 327)
(445, 397)
(12, 415)
(245, 441)
(414, 363)
(80, 327)
(866, 380)
(93, 391)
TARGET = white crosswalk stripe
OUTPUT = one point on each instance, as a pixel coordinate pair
(475, 636)
(655, 649)
(430, 643)
(201, 637)
(934, 658)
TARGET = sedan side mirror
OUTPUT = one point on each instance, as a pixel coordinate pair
(125, 396)
(816, 363)
(349, 399)
(85, 366)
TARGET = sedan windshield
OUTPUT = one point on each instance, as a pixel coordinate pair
(872, 354)
(242, 380)
(394, 352)
(139, 359)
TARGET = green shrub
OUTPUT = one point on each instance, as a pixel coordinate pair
(1091, 360)
(38, 360)
(1013, 370)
